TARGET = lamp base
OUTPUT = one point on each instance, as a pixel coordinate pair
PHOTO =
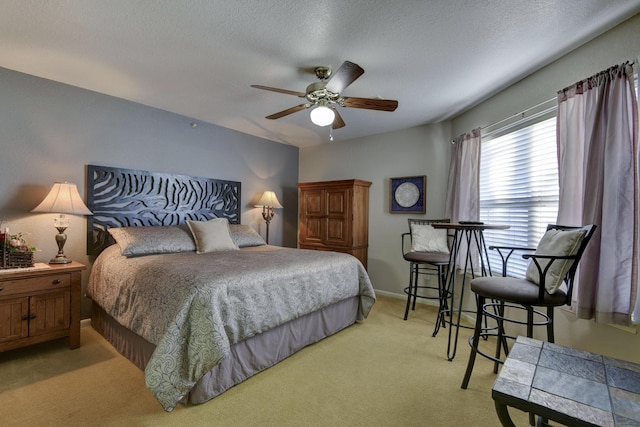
(60, 259)
(61, 238)
(267, 215)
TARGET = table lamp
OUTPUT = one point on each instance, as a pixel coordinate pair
(268, 202)
(62, 199)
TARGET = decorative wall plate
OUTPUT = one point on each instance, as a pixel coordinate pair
(408, 194)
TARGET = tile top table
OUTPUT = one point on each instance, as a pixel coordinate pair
(573, 387)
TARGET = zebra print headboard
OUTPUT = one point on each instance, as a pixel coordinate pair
(124, 198)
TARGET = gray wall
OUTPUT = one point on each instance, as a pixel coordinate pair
(614, 47)
(422, 150)
(426, 150)
(51, 131)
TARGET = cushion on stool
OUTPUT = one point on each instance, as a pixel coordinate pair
(428, 257)
(520, 291)
(425, 238)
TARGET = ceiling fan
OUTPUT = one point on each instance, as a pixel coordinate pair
(325, 95)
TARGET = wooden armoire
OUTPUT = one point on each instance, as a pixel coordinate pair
(334, 216)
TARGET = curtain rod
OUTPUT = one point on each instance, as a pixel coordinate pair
(635, 61)
(521, 113)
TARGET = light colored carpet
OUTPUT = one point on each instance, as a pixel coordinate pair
(382, 372)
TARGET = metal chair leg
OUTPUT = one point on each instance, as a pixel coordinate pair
(501, 342)
(475, 342)
(444, 283)
(416, 274)
(550, 334)
(411, 291)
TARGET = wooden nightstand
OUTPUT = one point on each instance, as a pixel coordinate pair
(40, 305)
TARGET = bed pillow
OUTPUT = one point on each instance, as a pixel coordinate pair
(212, 235)
(425, 238)
(137, 241)
(245, 236)
(556, 243)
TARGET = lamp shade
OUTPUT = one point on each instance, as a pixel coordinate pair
(322, 116)
(63, 198)
(269, 200)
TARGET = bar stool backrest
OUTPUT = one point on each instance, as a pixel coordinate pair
(570, 275)
(426, 222)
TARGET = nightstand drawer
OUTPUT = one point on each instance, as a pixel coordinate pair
(41, 305)
(34, 284)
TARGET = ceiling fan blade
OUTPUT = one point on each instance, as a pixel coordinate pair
(346, 74)
(288, 111)
(337, 122)
(275, 89)
(371, 103)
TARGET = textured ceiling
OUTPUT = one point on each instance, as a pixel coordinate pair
(198, 58)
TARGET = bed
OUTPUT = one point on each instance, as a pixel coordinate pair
(197, 300)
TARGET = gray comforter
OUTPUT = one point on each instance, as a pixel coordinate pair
(193, 307)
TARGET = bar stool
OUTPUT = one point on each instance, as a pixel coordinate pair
(427, 251)
(555, 262)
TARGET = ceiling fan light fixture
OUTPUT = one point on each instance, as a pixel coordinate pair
(322, 116)
(324, 96)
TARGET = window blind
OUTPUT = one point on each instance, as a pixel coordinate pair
(519, 187)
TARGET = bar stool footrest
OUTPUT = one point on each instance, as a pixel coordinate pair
(495, 305)
(411, 291)
(485, 336)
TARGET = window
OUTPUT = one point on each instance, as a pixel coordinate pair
(519, 187)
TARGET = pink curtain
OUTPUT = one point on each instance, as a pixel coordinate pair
(463, 194)
(463, 189)
(597, 127)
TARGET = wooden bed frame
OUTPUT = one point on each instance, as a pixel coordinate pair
(122, 197)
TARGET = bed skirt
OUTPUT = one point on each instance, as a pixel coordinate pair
(246, 358)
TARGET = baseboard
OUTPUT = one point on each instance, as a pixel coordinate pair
(432, 303)
(467, 316)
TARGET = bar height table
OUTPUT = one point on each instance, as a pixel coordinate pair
(472, 234)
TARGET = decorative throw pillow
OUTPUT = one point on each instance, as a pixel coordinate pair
(137, 241)
(212, 235)
(555, 243)
(425, 238)
(245, 236)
